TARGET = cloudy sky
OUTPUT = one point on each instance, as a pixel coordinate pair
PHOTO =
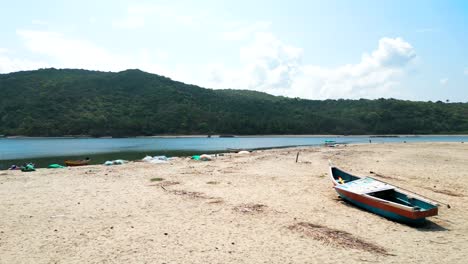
(415, 50)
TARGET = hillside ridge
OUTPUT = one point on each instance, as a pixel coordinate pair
(57, 102)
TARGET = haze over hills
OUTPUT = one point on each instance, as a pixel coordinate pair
(52, 102)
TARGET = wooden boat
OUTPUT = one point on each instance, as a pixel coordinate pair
(73, 163)
(382, 198)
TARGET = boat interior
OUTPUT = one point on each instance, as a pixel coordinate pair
(346, 177)
(394, 196)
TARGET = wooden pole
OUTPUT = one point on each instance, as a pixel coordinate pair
(297, 156)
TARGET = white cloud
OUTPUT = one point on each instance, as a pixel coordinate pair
(272, 66)
(142, 14)
(242, 32)
(391, 53)
(135, 18)
(130, 22)
(266, 64)
(61, 51)
(9, 64)
(39, 22)
(427, 30)
(374, 76)
(67, 52)
(443, 81)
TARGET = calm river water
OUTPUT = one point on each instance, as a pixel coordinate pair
(43, 151)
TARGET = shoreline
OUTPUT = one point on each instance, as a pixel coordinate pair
(118, 155)
(138, 154)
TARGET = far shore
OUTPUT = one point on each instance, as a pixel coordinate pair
(238, 136)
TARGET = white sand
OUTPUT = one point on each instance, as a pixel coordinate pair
(99, 214)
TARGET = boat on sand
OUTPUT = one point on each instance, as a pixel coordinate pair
(73, 163)
(382, 198)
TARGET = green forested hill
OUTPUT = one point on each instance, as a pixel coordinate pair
(52, 102)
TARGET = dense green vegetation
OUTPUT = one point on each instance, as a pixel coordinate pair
(52, 102)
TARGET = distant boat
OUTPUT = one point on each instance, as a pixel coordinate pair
(382, 198)
(73, 163)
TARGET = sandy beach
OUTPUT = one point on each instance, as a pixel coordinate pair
(261, 207)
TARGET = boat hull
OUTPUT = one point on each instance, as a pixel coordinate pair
(389, 212)
(388, 208)
(74, 163)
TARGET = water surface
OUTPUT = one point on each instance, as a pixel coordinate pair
(43, 151)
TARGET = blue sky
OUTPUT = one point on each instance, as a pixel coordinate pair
(415, 50)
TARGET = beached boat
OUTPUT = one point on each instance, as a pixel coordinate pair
(382, 198)
(72, 163)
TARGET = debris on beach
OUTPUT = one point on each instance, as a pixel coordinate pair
(212, 182)
(446, 192)
(168, 183)
(188, 193)
(14, 167)
(196, 195)
(250, 208)
(162, 183)
(115, 162)
(216, 201)
(28, 167)
(156, 159)
(335, 237)
(203, 157)
(156, 179)
(381, 176)
(55, 166)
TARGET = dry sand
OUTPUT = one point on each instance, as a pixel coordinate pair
(257, 208)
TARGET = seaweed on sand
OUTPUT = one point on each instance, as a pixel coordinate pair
(250, 208)
(336, 237)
